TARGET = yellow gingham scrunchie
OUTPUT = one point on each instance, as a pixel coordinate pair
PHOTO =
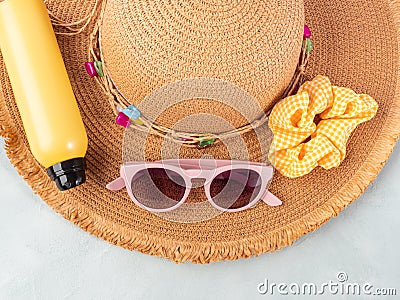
(292, 121)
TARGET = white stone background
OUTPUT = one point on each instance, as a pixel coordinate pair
(43, 256)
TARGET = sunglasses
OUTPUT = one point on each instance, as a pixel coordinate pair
(165, 185)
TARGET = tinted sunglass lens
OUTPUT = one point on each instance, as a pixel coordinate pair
(235, 188)
(158, 188)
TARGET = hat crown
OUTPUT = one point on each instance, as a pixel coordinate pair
(251, 45)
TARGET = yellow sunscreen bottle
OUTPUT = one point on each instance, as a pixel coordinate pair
(42, 90)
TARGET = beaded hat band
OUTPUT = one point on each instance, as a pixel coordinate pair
(129, 115)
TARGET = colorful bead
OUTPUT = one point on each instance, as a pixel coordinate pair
(307, 32)
(99, 68)
(205, 143)
(132, 112)
(309, 45)
(138, 121)
(123, 120)
(90, 68)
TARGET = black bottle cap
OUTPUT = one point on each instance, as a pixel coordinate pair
(68, 174)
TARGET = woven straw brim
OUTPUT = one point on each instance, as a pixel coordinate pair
(356, 44)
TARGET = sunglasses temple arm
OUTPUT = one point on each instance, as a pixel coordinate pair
(271, 199)
(116, 185)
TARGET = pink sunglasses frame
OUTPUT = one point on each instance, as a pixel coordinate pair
(189, 169)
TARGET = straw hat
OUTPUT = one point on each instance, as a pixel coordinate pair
(248, 50)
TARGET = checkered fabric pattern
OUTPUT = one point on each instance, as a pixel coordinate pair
(300, 145)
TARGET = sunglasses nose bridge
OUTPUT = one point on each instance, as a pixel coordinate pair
(197, 174)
